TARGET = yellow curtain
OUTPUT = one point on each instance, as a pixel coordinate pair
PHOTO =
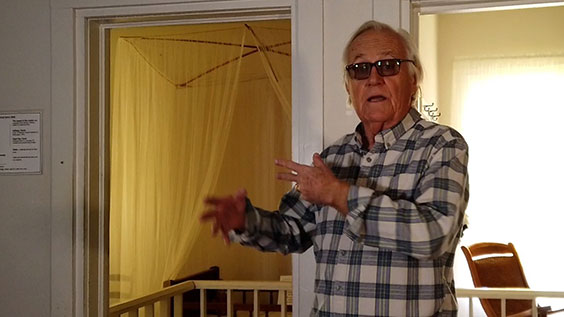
(193, 113)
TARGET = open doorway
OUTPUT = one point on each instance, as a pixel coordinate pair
(195, 110)
(496, 76)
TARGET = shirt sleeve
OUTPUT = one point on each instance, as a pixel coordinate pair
(287, 230)
(424, 226)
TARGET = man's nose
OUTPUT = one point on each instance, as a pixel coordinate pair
(374, 78)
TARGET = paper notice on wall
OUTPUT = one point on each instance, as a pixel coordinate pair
(20, 143)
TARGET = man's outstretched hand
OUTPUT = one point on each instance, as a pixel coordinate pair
(227, 213)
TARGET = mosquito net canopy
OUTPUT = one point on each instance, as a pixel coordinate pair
(196, 110)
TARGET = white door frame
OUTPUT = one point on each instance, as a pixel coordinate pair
(70, 98)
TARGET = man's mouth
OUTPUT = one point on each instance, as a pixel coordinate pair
(377, 98)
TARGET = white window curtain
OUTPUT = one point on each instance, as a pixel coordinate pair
(193, 113)
(510, 111)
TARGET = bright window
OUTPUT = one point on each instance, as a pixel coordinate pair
(511, 111)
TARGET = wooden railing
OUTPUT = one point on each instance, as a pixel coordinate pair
(162, 297)
(504, 294)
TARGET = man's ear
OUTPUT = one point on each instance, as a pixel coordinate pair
(349, 100)
(347, 87)
(414, 86)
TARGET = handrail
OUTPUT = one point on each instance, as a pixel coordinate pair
(139, 302)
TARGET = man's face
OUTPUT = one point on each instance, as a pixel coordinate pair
(380, 101)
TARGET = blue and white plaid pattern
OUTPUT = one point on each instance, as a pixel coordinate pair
(392, 255)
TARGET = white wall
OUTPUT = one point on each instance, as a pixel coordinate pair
(25, 213)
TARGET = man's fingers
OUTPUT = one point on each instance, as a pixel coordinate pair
(215, 229)
(225, 235)
(240, 196)
(241, 193)
(213, 200)
(287, 177)
(317, 160)
(226, 238)
(206, 216)
(319, 163)
(289, 165)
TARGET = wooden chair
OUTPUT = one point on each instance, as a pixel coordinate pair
(498, 265)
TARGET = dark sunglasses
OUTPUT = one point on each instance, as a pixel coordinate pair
(384, 67)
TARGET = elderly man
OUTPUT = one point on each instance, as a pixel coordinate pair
(383, 207)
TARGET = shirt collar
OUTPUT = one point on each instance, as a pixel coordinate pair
(390, 136)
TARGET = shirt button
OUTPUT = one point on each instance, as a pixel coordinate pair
(338, 287)
(368, 159)
(343, 252)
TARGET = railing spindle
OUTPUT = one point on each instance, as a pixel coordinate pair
(534, 307)
(150, 310)
(255, 303)
(283, 304)
(164, 307)
(503, 308)
(133, 313)
(203, 304)
(178, 305)
(470, 307)
(229, 304)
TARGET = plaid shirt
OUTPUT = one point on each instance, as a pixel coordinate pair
(392, 255)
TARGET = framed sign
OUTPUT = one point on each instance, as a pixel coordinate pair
(20, 143)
